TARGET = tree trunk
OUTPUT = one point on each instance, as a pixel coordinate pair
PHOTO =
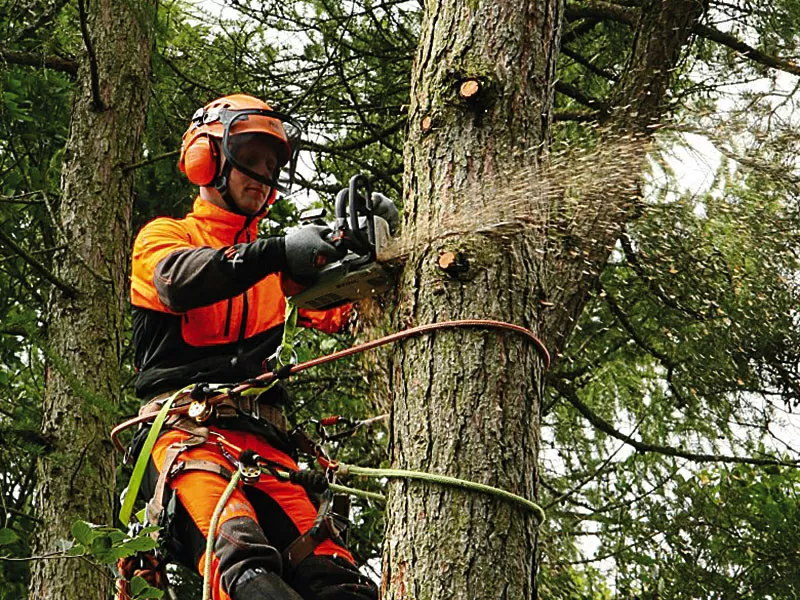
(466, 403)
(85, 326)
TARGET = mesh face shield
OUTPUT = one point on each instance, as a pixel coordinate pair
(252, 136)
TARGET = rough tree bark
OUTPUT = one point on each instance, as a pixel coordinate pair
(466, 403)
(82, 387)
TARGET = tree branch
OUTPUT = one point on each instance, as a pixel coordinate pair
(568, 392)
(745, 50)
(29, 59)
(14, 330)
(380, 174)
(576, 116)
(363, 143)
(623, 14)
(97, 101)
(633, 260)
(186, 78)
(628, 326)
(149, 161)
(578, 58)
(67, 289)
(581, 97)
(603, 11)
(23, 198)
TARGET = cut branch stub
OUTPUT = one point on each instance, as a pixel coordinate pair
(453, 263)
(477, 93)
(427, 124)
(469, 88)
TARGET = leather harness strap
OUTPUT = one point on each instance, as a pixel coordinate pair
(169, 468)
(304, 546)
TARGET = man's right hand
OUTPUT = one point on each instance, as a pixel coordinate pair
(308, 250)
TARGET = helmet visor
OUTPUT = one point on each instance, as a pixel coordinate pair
(256, 143)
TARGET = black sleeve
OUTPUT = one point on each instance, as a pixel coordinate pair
(187, 279)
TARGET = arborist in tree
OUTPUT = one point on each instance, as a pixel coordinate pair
(208, 306)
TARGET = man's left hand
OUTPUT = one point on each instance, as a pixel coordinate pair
(385, 209)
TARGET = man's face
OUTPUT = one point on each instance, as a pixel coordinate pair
(258, 154)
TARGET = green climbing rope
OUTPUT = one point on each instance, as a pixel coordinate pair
(345, 470)
(144, 456)
(343, 489)
(212, 529)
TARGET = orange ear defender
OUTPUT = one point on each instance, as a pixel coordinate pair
(200, 160)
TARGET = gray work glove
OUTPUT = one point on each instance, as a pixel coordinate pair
(385, 208)
(308, 250)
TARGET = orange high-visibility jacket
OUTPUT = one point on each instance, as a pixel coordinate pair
(208, 302)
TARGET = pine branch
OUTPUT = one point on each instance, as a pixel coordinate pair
(149, 161)
(94, 75)
(602, 11)
(68, 290)
(186, 78)
(582, 98)
(579, 58)
(14, 330)
(620, 314)
(363, 143)
(576, 116)
(23, 198)
(378, 173)
(633, 259)
(628, 16)
(669, 364)
(726, 39)
(30, 59)
(569, 393)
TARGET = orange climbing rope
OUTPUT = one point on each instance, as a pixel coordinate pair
(182, 404)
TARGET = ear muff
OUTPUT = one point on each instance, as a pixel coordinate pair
(200, 161)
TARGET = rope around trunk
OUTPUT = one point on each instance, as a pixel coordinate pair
(445, 480)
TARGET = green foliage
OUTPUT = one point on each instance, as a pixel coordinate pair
(690, 342)
(7, 536)
(107, 544)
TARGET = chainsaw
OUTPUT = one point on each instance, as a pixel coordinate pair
(362, 234)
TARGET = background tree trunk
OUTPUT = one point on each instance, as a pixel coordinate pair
(466, 403)
(76, 476)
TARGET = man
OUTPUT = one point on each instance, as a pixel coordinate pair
(208, 306)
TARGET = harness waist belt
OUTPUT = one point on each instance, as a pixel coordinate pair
(260, 407)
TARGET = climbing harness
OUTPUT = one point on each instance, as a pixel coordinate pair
(189, 408)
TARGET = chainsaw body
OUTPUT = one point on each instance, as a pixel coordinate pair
(363, 235)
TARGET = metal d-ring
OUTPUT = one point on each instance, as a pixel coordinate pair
(277, 357)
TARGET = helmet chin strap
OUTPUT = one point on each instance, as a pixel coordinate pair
(220, 184)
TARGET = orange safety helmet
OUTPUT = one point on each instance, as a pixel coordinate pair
(226, 117)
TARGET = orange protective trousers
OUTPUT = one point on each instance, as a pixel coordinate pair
(269, 514)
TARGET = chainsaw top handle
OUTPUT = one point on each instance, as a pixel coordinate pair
(349, 205)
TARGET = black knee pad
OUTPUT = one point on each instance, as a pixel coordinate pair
(331, 578)
(241, 546)
(260, 584)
